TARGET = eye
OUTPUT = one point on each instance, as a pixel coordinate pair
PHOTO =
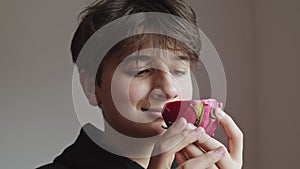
(140, 73)
(178, 72)
(143, 73)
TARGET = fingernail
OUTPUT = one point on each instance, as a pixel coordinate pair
(220, 105)
(180, 121)
(219, 113)
(221, 150)
(190, 126)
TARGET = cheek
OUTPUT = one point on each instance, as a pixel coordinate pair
(138, 91)
(120, 89)
(185, 87)
(128, 92)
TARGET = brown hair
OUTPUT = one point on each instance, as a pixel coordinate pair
(102, 12)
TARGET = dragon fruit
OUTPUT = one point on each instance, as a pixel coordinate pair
(198, 112)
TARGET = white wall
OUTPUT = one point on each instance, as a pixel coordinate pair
(277, 37)
(229, 25)
(257, 42)
(37, 118)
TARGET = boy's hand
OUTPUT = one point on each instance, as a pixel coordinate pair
(190, 156)
(175, 139)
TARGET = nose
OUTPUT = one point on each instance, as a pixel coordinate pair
(164, 86)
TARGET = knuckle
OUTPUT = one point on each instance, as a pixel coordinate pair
(212, 167)
(203, 138)
(228, 118)
(190, 138)
(237, 165)
(240, 164)
(209, 158)
(186, 166)
(164, 146)
(239, 135)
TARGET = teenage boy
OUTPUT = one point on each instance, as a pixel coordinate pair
(135, 79)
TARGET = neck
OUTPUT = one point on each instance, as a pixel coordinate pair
(137, 149)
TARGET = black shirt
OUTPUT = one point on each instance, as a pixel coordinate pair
(85, 154)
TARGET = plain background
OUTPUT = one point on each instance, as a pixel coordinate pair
(257, 40)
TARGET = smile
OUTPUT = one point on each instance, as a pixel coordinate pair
(154, 112)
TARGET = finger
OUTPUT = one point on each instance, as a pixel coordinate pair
(178, 126)
(211, 144)
(235, 142)
(204, 161)
(234, 134)
(189, 152)
(177, 141)
(193, 151)
(208, 143)
(180, 157)
(220, 105)
(213, 167)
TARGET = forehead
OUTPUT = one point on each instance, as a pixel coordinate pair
(153, 54)
(150, 45)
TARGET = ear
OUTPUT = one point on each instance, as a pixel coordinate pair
(88, 85)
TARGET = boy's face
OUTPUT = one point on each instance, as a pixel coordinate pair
(135, 88)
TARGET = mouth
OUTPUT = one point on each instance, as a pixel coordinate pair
(153, 112)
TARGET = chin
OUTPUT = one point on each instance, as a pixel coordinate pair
(140, 130)
(156, 126)
(148, 129)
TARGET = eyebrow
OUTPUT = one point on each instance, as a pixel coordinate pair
(137, 58)
(184, 58)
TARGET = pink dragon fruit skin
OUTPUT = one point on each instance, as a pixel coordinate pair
(190, 109)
